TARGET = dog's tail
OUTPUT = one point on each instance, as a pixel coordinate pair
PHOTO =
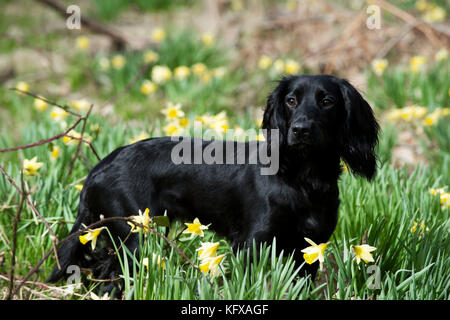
(71, 251)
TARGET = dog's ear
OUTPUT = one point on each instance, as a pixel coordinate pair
(359, 134)
(274, 115)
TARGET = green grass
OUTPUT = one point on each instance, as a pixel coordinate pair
(412, 266)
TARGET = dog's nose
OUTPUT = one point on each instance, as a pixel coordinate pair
(301, 129)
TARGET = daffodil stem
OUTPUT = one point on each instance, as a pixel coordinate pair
(182, 254)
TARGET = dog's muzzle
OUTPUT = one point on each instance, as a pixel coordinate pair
(299, 133)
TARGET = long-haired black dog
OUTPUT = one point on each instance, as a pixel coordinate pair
(321, 119)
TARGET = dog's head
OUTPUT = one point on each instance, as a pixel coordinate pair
(319, 112)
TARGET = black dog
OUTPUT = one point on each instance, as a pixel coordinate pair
(321, 120)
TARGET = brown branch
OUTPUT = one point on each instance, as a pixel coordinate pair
(65, 133)
(86, 142)
(420, 25)
(35, 144)
(119, 42)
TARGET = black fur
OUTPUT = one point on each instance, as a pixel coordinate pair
(329, 121)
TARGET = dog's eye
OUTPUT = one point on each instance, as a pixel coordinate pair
(291, 102)
(327, 102)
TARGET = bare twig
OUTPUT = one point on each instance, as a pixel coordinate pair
(38, 143)
(65, 108)
(393, 41)
(86, 142)
(58, 136)
(28, 200)
(420, 25)
(77, 152)
(14, 241)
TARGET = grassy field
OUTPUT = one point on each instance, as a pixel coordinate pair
(185, 77)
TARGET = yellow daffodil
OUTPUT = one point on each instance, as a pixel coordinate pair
(207, 38)
(148, 87)
(434, 192)
(22, 86)
(141, 136)
(218, 122)
(79, 187)
(363, 252)
(158, 35)
(96, 128)
(91, 235)
(199, 69)
(278, 65)
(218, 72)
(103, 297)
(172, 111)
(264, 62)
(83, 43)
(379, 65)
(441, 55)
(394, 115)
(434, 117)
(183, 122)
(417, 63)
(80, 105)
(431, 119)
(118, 61)
(58, 114)
(181, 72)
(344, 167)
(159, 261)
(206, 77)
(407, 113)
(195, 228)
(104, 63)
(291, 67)
(205, 119)
(422, 227)
(207, 250)
(314, 252)
(160, 74)
(211, 265)
(69, 141)
(150, 56)
(445, 199)
(237, 5)
(55, 152)
(291, 5)
(31, 167)
(260, 137)
(40, 104)
(435, 14)
(422, 5)
(143, 219)
(173, 128)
